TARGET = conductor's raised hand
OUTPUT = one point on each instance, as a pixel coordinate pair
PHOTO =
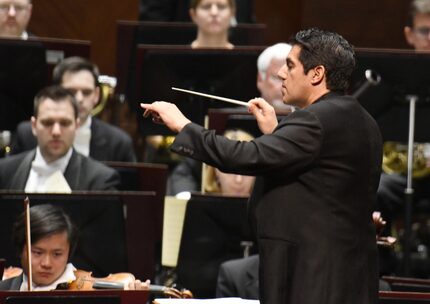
(165, 113)
(264, 113)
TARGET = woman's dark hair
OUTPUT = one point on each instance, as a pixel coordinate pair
(45, 220)
(330, 50)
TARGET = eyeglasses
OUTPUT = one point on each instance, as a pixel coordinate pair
(422, 32)
(19, 8)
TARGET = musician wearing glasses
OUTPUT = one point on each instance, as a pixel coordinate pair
(417, 31)
(391, 192)
(94, 138)
(14, 18)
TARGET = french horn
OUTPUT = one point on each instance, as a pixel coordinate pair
(395, 159)
(107, 90)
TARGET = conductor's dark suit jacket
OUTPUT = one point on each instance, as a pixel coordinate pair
(12, 283)
(82, 173)
(312, 202)
(108, 143)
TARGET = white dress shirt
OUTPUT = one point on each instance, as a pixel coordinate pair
(41, 171)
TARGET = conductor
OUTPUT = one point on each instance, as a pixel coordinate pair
(317, 174)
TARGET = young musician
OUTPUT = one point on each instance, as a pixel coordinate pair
(53, 240)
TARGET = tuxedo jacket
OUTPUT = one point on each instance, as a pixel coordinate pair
(108, 143)
(238, 278)
(317, 175)
(82, 173)
(12, 283)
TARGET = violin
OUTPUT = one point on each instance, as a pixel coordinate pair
(85, 281)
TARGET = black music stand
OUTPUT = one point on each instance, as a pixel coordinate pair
(404, 86)
(22, 75)
(63, 299)
(214, 228)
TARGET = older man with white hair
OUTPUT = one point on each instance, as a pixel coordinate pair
(269, 63)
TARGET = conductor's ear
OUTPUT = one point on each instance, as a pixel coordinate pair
(318, 74)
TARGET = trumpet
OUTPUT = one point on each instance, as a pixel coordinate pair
(395, 159)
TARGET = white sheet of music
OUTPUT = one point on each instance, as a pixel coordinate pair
(173, 222)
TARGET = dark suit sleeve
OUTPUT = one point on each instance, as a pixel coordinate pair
(23, 139)
(186, 176)
(11, 284)
(111, 181)
(126, 150)
(293, 146)
(225, 287)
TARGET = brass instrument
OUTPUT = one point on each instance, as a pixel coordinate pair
(107, 90)
(395, 159)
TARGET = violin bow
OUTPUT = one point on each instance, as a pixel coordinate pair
(28, 242)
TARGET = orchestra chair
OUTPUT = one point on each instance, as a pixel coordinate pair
(145, 177)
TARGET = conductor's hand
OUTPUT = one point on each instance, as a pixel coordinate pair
(165, 113)
(264, 113)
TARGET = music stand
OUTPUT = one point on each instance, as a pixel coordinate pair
(63, 299)
(404, 85)
(22, 75)
(214, 228)
(132, 33)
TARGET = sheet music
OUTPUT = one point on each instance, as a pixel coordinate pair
(174, 214)
(206, 301)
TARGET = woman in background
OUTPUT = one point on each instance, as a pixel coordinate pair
(213, 19)
(215, 181)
